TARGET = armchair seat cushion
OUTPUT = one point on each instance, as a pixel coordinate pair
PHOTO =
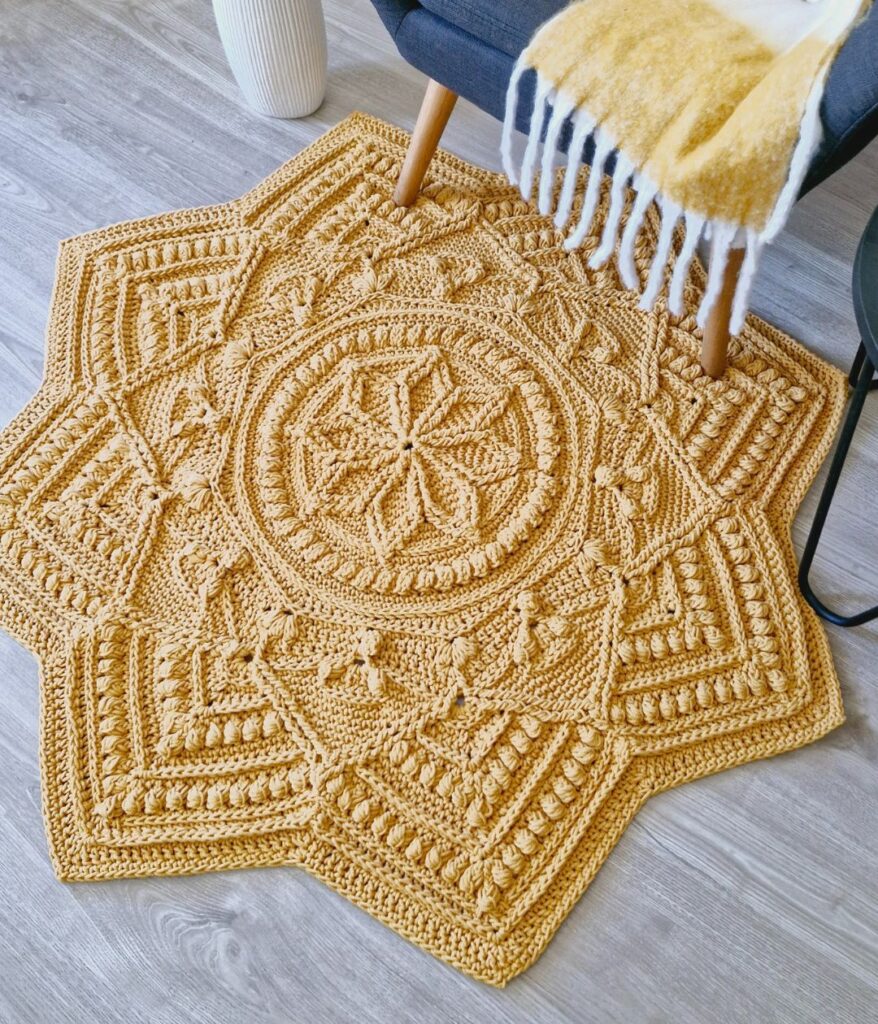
(469, 46)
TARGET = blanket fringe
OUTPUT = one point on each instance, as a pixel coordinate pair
(645, 193)
(509, 120)
(721, 238)
(755, 244)
(583, 125)
(621, 177)
(603, 146)
(551, 111)
(694, 227)
(542, 102)
(561, 110)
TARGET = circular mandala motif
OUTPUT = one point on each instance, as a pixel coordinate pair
(404, 459)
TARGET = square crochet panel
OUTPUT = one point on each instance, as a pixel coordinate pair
(399, 545)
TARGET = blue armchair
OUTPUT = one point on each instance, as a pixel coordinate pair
(468, 47)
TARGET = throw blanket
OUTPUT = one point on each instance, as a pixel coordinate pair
(712, 108)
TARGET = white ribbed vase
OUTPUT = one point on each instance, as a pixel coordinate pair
(277, 53)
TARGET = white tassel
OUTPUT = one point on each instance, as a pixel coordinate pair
(537, 120)
(603, 148)
(582, 125)
(509, 120)
(670, 215)
(694, 227)
(721, 237)
(646, 192)
(621, 174)
(745, 282)
(810, 134)
(560, 111)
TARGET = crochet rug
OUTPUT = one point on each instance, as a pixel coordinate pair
(401, 546)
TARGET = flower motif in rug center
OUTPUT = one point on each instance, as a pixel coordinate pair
(407, 447)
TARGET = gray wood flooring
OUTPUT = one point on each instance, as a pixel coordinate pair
(748, 897)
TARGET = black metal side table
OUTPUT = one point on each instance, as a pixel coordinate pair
(862, 380)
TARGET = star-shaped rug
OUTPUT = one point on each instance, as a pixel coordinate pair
(399, 545)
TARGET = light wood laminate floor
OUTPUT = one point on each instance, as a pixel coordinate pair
(748, 897)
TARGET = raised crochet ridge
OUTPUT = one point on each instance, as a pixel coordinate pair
(399, 545)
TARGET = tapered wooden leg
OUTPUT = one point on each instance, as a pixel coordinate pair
(435, 111)
(715, 345)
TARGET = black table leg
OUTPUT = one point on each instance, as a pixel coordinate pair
(862, 379)
(857, 366)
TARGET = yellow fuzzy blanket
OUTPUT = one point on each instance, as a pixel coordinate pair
(712, 108)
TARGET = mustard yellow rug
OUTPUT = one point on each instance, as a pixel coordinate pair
(401, 546)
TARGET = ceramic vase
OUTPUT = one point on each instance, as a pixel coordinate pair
(277, 52)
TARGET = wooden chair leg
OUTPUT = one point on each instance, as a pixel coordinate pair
(715, 344)
(435, 111)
